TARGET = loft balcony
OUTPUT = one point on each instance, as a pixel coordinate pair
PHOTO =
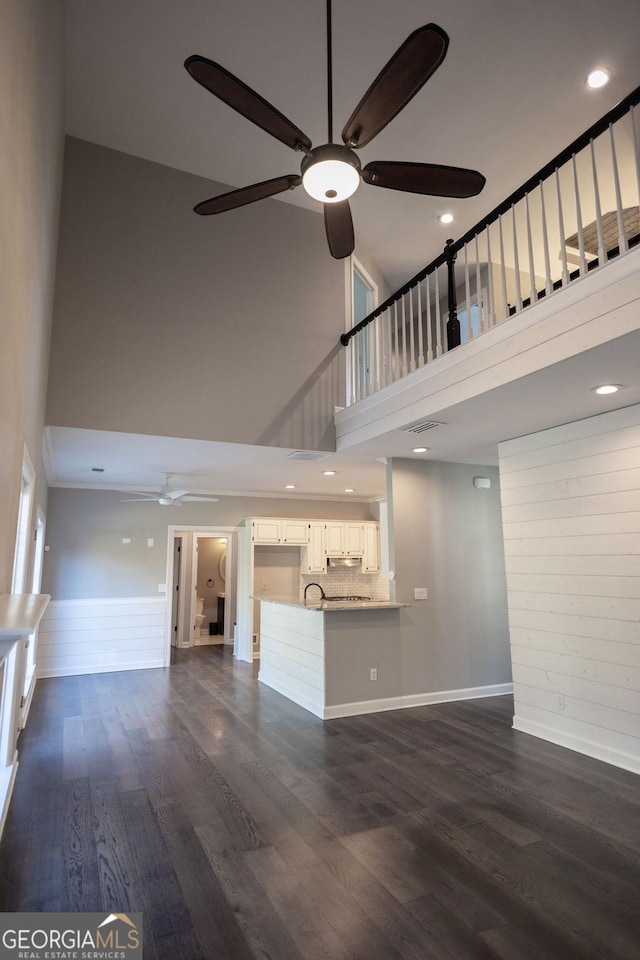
(550, 274)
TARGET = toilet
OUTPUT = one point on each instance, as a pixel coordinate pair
(200, 618)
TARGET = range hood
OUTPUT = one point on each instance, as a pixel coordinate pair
(344, 561)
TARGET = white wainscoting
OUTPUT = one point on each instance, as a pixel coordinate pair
(571, 521)
(102, 636)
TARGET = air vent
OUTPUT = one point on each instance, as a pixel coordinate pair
(307, 455)
(423, 426)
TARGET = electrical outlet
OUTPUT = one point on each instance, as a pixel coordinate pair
(126, 539)
(149, 541)
(420, 593)
(264, 584)
(373, 673)
(560, 701)
(162, 588)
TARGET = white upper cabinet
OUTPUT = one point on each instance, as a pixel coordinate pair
(314, 559)
(371, 553)
(334, 539)
(322, 538)
(265, 530)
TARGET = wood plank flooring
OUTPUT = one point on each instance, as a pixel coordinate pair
(243, 828)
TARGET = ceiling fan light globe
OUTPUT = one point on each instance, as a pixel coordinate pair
(165, 501)
(331, 173)
(331, 181)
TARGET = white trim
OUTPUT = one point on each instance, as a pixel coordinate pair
(256, 494)
(111, 668)
(48, 458)
(587, 747)
(415, 700)
(7, 780)
(161, 598)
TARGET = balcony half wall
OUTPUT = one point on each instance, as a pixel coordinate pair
(530, 372)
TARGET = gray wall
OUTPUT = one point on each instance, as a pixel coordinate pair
(447, 536)
(221, 328)
(31, 121)
(85, 528)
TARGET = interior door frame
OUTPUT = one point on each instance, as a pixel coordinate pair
(176, 530)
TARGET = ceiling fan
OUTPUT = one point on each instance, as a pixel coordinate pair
(167, 497)
(331, 173)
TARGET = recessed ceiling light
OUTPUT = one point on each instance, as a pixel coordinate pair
(420, 449)
(606, 388)
(290, 486)
(329, 473)
(446, 218)
(597, 79)
(349, 490)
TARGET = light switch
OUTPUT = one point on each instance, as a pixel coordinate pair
(420, 593)
(126, 539)
(150, 542)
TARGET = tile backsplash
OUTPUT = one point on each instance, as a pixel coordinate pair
(348, 581)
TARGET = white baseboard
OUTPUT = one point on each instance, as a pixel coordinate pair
(588, 747)
(414, 700)
(7, 780)
(290, 694)
(78, 671)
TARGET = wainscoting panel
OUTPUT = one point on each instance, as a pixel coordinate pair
(101, 636)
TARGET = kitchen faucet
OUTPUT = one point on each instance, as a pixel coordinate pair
(322, 593)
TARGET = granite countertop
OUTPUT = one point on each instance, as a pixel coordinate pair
(329, 605)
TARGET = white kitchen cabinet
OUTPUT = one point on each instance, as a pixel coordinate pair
(353, 539)
(371, 545)
(266, 530)
(334, 539)
(313, 557)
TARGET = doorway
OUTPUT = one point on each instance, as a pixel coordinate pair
(201, 570)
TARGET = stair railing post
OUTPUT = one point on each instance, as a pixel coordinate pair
(453, 324)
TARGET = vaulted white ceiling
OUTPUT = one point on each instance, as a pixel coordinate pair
(510, 94)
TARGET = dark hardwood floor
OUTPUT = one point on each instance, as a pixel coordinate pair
(243, 827)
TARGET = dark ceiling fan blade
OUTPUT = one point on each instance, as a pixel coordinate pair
(397, 83)
(238, 198)
(428, 178)
(245, 101)
(339, 228)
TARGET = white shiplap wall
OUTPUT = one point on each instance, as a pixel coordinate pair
(101, 636)
(292, 654)
(571, 521)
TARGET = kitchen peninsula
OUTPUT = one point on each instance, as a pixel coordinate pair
(334, 658)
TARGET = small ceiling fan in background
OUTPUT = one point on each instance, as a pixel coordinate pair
(332, 172)
(167, 497)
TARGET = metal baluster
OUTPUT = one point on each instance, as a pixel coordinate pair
(505, 303)
(429, 330)
(548, 285)
(439, 337)
(622, 237)
(467, 293)
(420, 334)
(481, 324)
(516, 260)
(563, 241)
(583, 259)
(533, 293)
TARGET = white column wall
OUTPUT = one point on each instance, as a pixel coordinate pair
(571, 521)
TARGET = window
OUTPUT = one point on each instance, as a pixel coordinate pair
(363, 295)
(475, 316)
